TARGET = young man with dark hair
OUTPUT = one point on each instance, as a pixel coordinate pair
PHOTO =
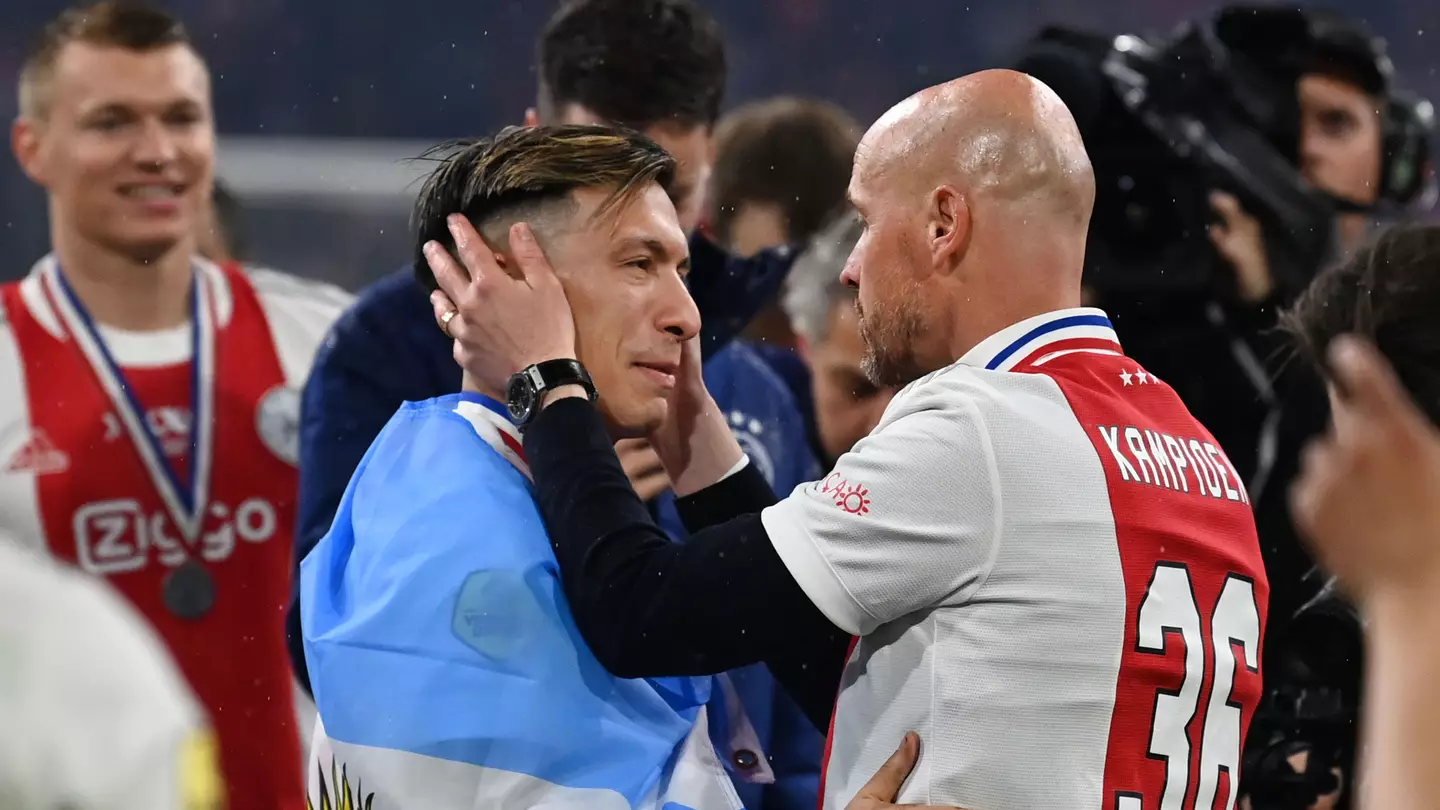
(780, 173)
(437, 571)
(1387, 292)
(148, 396)
(781, 169)
(655, 66)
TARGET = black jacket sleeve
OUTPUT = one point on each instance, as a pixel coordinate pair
(651, 608)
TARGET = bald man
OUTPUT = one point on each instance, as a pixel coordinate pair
(1049, 567)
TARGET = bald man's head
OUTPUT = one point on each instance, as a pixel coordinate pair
(996, 134)
(977, 194)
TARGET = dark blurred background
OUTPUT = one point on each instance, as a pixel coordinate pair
(319, 103)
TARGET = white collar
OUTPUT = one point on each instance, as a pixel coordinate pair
(1084, 327)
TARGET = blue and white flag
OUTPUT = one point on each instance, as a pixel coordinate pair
(447, 669)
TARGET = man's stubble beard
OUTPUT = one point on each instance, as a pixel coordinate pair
(889, 334)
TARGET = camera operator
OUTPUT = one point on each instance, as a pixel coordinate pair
(1327, 110)
(1345, 98)
(1303, 745)
(1233, 160)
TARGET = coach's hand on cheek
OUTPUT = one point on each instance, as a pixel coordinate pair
(695, 443)
(880, 792)
(503, 321)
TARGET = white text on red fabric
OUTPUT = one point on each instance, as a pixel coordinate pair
(1159, 459)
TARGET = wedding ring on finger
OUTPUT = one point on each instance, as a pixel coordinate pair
(445, 322)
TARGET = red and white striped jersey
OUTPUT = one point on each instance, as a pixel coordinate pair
(137, 455)
(1055, 580)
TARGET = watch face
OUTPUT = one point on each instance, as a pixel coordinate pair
(520, 399)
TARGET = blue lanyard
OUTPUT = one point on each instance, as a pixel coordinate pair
(132, 414)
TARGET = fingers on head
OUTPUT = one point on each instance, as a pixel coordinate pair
(1372, 387)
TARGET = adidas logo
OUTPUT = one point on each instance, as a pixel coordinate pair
(39, 456)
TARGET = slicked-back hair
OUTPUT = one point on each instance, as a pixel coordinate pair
(638, 63)
(522, 171)
(1387, 292)
(112, 23)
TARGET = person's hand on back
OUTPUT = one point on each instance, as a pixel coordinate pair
(884, 787)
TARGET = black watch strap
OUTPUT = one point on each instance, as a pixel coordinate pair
(529, 385)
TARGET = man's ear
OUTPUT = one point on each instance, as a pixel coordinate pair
(949, 225)
(504, 258)
(532, 118)
(25, 142)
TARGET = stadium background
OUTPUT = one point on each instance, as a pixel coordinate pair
(320, 103)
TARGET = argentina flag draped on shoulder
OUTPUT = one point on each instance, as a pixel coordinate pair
(447, 669)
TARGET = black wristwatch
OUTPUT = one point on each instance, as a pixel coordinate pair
(528, 386)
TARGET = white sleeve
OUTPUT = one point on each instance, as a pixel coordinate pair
(908, 519)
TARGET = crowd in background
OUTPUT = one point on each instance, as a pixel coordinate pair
(311, 69)
(804, 79)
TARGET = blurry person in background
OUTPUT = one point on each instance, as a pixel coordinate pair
(1368, 501)
(148, 397)
(1347, 151)
(1221, 352)
(657, 66)
(220, 237)
(781, 167)
(822, 312)
(437, 570)
(97, 717)
(1369, 486)
(1343, 94)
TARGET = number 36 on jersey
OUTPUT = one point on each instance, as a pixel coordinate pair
(1196, 646)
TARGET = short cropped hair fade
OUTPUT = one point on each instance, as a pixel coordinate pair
(1388, 292)
(637, 63)
(111, 23)
(522, 172)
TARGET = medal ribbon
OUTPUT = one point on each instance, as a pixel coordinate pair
(187, 501)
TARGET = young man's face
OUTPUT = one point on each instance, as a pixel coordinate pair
(624, 274)
(694, 153)
(1340, 138)
(125, 146)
